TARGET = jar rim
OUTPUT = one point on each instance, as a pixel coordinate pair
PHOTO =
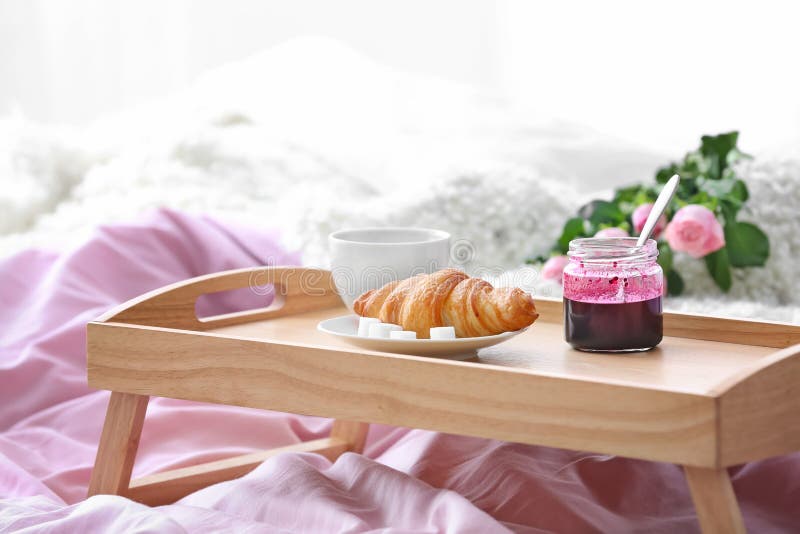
(612, 249)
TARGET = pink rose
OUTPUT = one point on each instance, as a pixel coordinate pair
(612, 232)
(694, 229)
(640, 215)
(553, 268)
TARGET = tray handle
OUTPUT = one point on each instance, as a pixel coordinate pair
(759, 409)
(297, 289)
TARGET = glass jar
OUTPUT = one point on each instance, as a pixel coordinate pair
(612, 295)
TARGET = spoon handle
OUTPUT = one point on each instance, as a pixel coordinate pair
(660, 205)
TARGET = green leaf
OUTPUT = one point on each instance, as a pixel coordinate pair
(674, 283)
(665, 173)
(728, 190)
(627, 194)
(719, 267)
(572, 228)
(647, 194)
(729, 209)
(665, 256)
(717, 147)
(628, 199)
(600, 212)
(747, 244)
(736, 155)
(696, 164)
(704, 199)
(717, 188)
(687, 187)
(739, 191)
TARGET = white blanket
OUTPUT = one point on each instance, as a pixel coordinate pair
(310, 137)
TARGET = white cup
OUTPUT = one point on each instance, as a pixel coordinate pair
(367, 258)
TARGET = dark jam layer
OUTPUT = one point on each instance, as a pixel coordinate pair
(613, 327)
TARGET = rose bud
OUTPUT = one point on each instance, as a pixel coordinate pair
(639, 217)
(553, 268)
(612, 232)
(695, 230)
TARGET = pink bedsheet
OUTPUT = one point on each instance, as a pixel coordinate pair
(407, 481)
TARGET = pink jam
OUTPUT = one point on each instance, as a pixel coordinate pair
(612, 295)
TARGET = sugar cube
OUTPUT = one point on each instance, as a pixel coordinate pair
(443, 332)
(381, 330)
(402, 334)
(363, 325)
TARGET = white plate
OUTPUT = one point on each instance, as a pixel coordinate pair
(346, 328)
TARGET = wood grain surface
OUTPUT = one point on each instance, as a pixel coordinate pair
(296, 290)
(119, 441)
(759, 409)
(717, 509)
(508, 403)
(683, 365)
(169, 486)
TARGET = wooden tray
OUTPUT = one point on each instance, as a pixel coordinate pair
(716, 392)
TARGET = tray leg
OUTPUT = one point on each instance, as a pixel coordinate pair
(118, 443)
(714, 500)
(355, 434)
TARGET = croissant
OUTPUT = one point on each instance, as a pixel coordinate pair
(448, 298)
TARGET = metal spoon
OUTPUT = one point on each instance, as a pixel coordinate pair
(660, 205)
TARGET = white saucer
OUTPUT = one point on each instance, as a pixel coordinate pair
(346, 328)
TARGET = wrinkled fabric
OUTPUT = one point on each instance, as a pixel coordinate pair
(407, 480)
